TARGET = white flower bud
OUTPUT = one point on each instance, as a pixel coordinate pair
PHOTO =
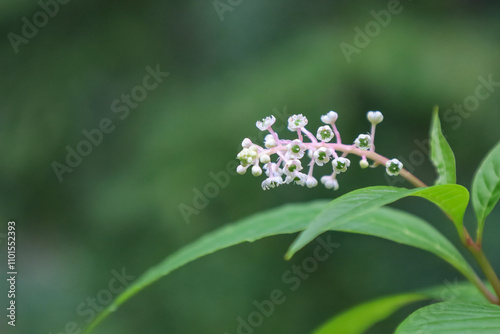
(363, 164)
(246, 143)
(330, 118)
(269, 141)
(264, 158)
(247, 156)
(256, 171)
(375, 117)
(330, 182)
(254, 149)
(241, 170)
(311, 182)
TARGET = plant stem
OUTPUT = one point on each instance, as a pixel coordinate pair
(487, 269)
(351, 149)
(382, 161)
(484, 290)
(479, 233)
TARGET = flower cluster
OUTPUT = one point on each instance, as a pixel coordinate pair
(288, 167)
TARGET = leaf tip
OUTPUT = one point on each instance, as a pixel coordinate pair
(289, 254)
(435, 110)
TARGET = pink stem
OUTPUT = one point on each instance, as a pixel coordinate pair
(351, 149)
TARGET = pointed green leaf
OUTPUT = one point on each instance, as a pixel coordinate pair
(463, 291)
(452, 318)
(451, 198)
(410, 230)
(407, 229)
(441, 153)
(486, 186)
(287, 219)
(284, 220)
(360, 318)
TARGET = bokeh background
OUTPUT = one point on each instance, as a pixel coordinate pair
(119, 208)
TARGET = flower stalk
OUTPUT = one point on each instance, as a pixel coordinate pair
(318, 149)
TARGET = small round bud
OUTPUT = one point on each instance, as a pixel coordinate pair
(270, 142)
(375, 117)
(363, 164)
(247, 156)
(330, 118)
(393, 167)
(241, 170)
(246, 143)
(330, 182)
(256, 171)
(311, 182)
(264, 158)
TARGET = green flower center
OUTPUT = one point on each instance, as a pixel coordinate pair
(394, 168)
(295, 148)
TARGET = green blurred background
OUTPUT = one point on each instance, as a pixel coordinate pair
(119, 208)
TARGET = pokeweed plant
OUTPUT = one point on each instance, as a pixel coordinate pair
(362, 211)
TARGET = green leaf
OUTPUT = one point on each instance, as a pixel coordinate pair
(441, 153)
(407, 229)
(410, 230)
(452, 318)
(451, 198)
(486, 186)
(360, 318)
(284, 220)
(456, 291)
